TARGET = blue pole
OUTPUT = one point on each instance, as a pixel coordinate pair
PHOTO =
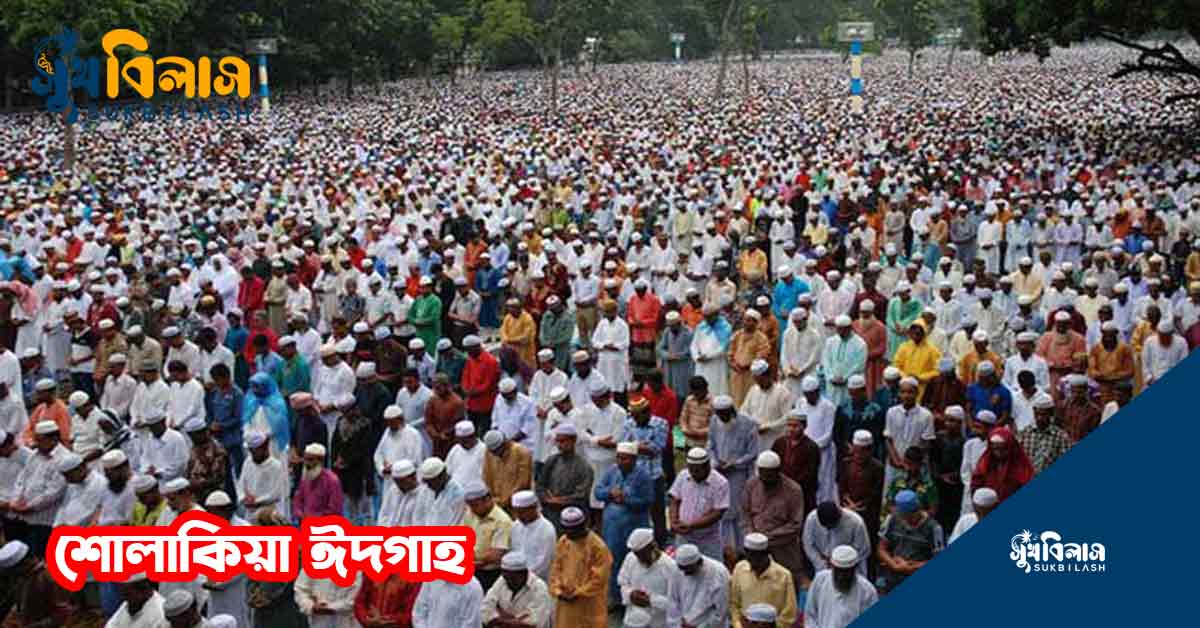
(264, 91)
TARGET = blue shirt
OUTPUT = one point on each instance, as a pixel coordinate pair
(637, 487)
(998, 399)
(654, 435)
(270, 364)
(225, 409)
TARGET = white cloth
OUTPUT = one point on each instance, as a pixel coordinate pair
(965, 522)
(41, 486)
(768, 409)
(652, 580)
(229, 598)
(167, 455)
(531, 605)
(613, 364)
(826, 607)
(799, 356)
(116, 509)
(1157, 359)
(186, 402)
(10, 469)
(13, 416)
(267, 483)
(338, 599)
(150, 615)
(119, 393)
(1036, 364)
(402, 444)
(700, 599)
(972, 451)
(441, 604)
(465, 466)
(596, 424)
(517, 418)
(149, 399)
(537, 541)
(220, 355)
(81, 501)
(706, 344)
(396, 508)
(440, 509)
(820, 541)
(820, 429)
(189, 354)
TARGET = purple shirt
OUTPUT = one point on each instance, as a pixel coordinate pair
(319, 497)
(698, 498)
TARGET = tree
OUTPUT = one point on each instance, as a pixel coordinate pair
(1036, 25)
(914, 22)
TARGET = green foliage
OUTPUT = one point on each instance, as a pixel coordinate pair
(1035, 25)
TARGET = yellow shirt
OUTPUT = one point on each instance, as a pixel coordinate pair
(491, 532)
(773, 587)
(919, 361)
(752, 263)
(521, 333)
(967, 365)
(582, 568)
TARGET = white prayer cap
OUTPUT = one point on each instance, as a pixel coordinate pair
(985, 368)
(315, 449)
(1121, 288)
(979, 336)
(177, 603)
(33, 352)
(639, 539)
(113, 459)
(904, 286)
(863, 438)
(328, 350)
(545, 355)
(143, 483)
(761, 613)
(768, 460)
(360, 328)
(572, 517)
(403, 469)
(891, 372)
(431, 468)
(170, 332)
(175, 485)
(1024, 299)
(472, 341)
(1077, 379)
(566, 429)
(809, 384)
(856, 381)
(955, 411)
(798, 313)
(844, 557)
(416, 344)
(1043, 401)
(598, 387)
(46, 428)
(637, 618)
(1110, 326)
(218, 499)
(346, 345)
(867, 306)
(69, 462)
(507, 385)
(672, 316)
(117, 358)
(753, 314)
(12, 553)
(222, 621)
(722, 402)
(1165, 327)
(687, 554)
(910, 382)
(255, 438)
(44, 385)
(365, 370)
(557, 394)
(514, 561)
(755, 542)
(475, 490)
(697, 455)
(106, 323)
(579, 357)
(393, 412)
(760, 366)
(1062, 317)
(784, 271)
(463, 429)
(1027, 336)
(493, 439)
(78, 399)
(524, 499)
(984, 497)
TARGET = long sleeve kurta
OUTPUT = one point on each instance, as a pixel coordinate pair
(773, 586)
(310, 592)
(710, 344)
(580, 571)
(611, 340)
(900, 314)
(521, 333)
(390, 601)
(652, 580)
(744, 348)
(700, 599)
(441, 604)
(841, 359)
(827, 607)
(319, 497)
(531, 604)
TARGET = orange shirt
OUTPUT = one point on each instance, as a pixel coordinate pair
(54, 411)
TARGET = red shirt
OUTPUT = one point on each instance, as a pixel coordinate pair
(663, 403)
(480, 376)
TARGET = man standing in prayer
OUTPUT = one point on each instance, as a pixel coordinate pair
(464, 463)
(532, 534)
(40, 486)
(1059, 346)
(700, 497)
(515, 415)
(439, 501)
(610, 340)
(520, 599)
(733, 446)
(627, 492)
(747, 345)
(399, 442)
(263, 483)
(710, 349)
(907, 540)
(699, 594)
(674, 354)
(566, 478)
(840, 594)
(844, 355)
(385, 604)
(773, 505)
(644, 577)
(579, 574)
(767, 403)
(984, 500)
(1044, 441)
(491, 526)
(507, 468)
(319, 492)
(800, 355)
(760, 580)
(227, 597)
(800, 458)
(481, 375)
(821, 415)
(326, 604)
(905, 425)
(830, 526)
(442, 604)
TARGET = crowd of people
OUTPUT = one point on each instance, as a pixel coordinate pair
(677, 361)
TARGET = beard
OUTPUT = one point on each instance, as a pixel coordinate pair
(312, 473)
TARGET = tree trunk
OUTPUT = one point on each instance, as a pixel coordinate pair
(349, 84)
(950, 61)
(69, 147)
(8, 91)
(724, 50)
(555, 62)
(912, 58)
